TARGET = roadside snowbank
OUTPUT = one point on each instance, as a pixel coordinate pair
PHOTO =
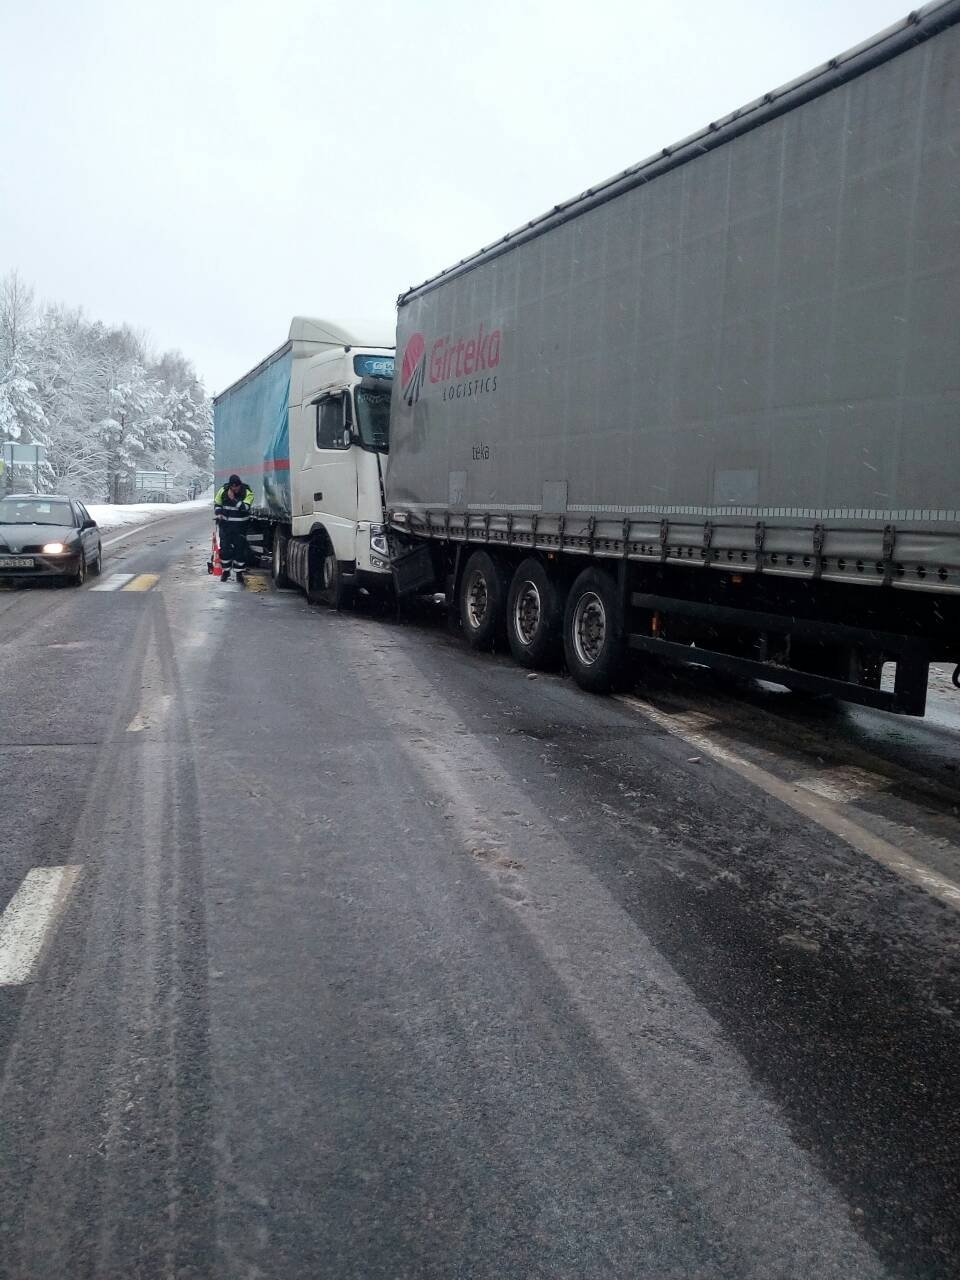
(109, 516)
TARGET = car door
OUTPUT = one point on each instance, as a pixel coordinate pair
(89, 537)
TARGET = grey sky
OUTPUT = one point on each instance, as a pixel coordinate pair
(206, 170)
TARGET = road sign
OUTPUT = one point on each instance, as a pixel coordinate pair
(20, 455)
(151, 480)
(29, 454)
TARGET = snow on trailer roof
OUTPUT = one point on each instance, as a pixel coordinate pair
(915, 28)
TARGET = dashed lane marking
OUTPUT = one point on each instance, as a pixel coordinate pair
(803, 799)
(29, 919)
(128, 582)
(152, 712)
(843, 783)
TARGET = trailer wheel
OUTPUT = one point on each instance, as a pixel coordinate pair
(278, 560)
(593, 639)
(534, 616)
(483, 601)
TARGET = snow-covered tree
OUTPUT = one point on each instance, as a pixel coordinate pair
(99, 401)
(21, 414)
(17, 317)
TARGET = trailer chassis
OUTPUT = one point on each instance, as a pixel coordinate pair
(802, 626)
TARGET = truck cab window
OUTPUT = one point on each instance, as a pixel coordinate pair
(330, 422)
(373, 413)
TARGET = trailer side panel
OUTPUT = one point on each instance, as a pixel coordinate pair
(769, 333)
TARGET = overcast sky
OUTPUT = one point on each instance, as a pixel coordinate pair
(206, 170)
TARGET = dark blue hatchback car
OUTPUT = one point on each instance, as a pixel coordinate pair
(43, 536)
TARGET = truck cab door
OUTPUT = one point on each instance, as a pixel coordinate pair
(328, 480)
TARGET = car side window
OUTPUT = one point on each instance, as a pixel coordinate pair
(77, 514)
(330, 422)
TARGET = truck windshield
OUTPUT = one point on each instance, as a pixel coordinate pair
(373, 417)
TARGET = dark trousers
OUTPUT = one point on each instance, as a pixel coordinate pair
(233, 543)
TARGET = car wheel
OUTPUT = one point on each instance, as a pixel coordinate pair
(97, 565)
(80, 574)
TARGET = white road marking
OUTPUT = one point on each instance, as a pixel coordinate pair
(152, 710)
(29, 919)
(114, 582)
(844, 783)
(688, 726)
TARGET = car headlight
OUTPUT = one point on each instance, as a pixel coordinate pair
(53, 548)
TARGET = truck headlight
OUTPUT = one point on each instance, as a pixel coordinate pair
(378, 539)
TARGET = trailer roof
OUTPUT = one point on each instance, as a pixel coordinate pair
(915, 28)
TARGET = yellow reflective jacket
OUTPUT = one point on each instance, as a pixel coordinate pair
(231, 508)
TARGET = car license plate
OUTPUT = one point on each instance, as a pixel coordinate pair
(16, 562)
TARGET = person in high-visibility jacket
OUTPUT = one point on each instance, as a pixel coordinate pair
(231, 506)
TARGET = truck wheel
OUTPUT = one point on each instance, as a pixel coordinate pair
(278, 560)
(326, 581)
(483, 601)
(593, 640)
(534, 616)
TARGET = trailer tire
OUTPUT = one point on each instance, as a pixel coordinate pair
(483, 601)
(534, 616)
(278, 560)
(593, 633)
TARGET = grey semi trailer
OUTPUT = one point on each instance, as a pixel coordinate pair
(710, 410)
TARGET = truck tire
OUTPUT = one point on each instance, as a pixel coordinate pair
(483, 601)
(534, 616)
(593, 638)
(278, 560)
(326, 579)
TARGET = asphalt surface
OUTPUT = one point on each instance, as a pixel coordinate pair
(386, 959)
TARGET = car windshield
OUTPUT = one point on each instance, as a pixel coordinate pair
(34, 511)
(373, 417)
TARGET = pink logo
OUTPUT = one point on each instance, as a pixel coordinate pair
(464, 357)
(413, 368)
(468, 362)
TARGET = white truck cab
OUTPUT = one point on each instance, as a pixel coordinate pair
(339, 416)
(339, 436)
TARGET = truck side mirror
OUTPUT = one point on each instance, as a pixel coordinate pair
(347, 438)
